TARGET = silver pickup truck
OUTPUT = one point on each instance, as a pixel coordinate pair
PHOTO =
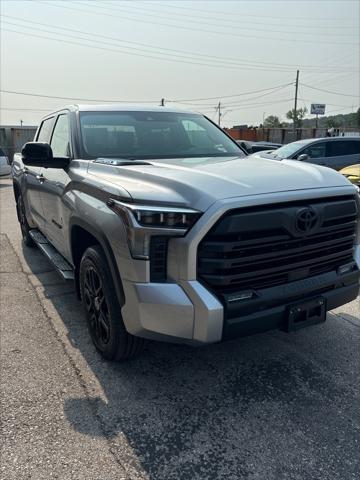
(172, 233)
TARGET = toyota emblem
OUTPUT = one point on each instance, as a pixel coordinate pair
(306, 220)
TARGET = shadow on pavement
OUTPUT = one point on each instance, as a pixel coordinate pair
(256, 407)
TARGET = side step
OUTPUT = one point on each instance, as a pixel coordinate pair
(59, 262)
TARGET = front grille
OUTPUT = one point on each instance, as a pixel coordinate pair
(260, 247)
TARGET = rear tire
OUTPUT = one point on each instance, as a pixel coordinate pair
(20, 207)
(102, 309)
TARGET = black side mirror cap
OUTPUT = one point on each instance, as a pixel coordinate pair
(36, 154)
(40, 154)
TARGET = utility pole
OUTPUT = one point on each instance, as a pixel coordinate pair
(162, 102)
(21, 122)
(219, 111)
(296, 98)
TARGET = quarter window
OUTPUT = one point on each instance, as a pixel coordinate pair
(60, 139)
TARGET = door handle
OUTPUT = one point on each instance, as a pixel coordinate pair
(41, 178)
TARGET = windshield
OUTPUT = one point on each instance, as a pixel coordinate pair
(151, 135)
(288, 150)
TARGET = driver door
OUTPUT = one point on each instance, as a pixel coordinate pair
(34, 179)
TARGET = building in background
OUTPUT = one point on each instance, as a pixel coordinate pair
(12, 138)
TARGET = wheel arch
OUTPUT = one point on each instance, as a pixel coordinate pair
(82, 235)
(16, 189)
(17, 193)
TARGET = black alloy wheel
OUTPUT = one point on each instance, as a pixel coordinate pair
(97, 308)
(103, 309)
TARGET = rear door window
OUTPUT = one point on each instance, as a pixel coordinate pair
(60, 140)
(45, 130)
(342, 147)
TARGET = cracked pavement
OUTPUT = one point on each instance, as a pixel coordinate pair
(272, 406)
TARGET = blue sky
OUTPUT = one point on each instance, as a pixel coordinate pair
(192, 53)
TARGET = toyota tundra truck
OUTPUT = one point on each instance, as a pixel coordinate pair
(170, 232)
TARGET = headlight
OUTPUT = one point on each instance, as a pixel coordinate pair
(164, 217)
(145, 221)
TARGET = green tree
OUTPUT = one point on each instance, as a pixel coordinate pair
(272, 121)
(297, 116)
(332, 122)
(358, 118)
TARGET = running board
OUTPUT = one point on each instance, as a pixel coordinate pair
(50, 252)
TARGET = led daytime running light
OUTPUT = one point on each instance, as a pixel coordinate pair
(175, 219)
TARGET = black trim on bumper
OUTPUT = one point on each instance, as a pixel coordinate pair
(269, 310)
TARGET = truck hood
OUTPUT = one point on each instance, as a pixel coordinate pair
(199, 182)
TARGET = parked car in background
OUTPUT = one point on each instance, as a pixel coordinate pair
(5, 167)
(245, 145)
(336, 152)
(261, 146)
(253, 147)
(352, 173)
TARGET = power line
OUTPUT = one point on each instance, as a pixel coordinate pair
(177, 14)
(332, 80)
(60, 40)
(331, 104)
(245, 107)
(182, 27)
(338, 110)
(336, 19)
(113, 101)
(230, 96)
(258, 104)
(235, 102)
(218, 63)
(197, 22)
(131, 53)
(329, 91)
(338, 78)
(76, 98)
(25, 109)
(309, 77)
(187, 53)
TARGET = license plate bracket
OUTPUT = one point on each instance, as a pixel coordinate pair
(304, 314)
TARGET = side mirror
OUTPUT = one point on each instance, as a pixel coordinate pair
(303, 157)
(39, 154)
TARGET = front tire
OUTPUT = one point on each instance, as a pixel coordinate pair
(102, 308)
(25, 228)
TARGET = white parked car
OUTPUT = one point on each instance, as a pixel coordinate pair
(5, 167)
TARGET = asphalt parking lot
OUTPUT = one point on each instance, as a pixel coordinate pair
(268, 407)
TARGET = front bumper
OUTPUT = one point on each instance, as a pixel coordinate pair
(187, 312)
